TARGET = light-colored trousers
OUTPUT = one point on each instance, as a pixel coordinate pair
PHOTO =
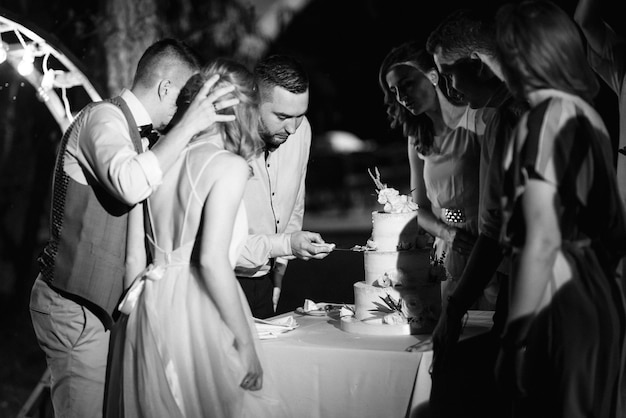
(76, 344)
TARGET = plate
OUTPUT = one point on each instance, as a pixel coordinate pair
(318, 312)
(323, 309)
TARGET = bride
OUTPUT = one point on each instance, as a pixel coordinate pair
(186, 345)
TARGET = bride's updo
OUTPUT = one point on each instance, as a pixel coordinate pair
(241, 136)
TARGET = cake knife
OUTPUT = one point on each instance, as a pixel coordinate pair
(357, 248)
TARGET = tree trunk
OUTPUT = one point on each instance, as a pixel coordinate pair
(127, 29)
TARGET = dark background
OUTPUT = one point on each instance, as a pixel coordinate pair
(341, 42)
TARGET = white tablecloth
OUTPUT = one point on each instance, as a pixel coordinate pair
(325, 372)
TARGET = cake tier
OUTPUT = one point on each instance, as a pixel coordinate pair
(373, 327)
(393, 231)
(423, 305)
(406, 277)
(392, 266)
(368, 300)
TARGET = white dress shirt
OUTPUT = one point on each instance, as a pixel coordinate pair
(103, 150)
(274, 200)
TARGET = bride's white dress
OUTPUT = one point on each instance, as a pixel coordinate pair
(179, 356)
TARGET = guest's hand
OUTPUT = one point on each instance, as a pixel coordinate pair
(445, 337)
(306, 245)
(253, 380)
(511, 371)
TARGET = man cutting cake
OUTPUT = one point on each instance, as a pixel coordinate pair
(274, 196)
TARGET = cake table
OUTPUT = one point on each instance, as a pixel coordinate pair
(324, 371)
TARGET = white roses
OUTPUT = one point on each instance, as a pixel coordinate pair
(395, 202)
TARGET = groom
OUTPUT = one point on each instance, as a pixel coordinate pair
(103, 170)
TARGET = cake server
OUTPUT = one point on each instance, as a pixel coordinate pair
(358, 248)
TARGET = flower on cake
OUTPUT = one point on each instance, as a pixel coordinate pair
(395, 311)
(392, 199)
(370, 245)
(391, 278)
(385, 280)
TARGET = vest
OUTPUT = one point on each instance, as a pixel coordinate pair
(85, 255)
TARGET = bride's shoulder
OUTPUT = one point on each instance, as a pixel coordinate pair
(229, 163)
(207, 156)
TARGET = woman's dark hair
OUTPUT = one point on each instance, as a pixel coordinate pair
(540, 47)
(418, 127)
(241, 136)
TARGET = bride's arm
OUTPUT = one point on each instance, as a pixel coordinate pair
(230, 173)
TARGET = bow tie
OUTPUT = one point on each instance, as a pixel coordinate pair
(146, 131)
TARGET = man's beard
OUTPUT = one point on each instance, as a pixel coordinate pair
(271, 142)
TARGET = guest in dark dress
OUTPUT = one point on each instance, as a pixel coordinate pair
(564, 222)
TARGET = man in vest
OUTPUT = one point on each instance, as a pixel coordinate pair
(101, 173)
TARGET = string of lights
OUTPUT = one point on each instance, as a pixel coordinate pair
(46, 68)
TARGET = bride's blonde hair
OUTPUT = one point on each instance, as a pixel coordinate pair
(241, 136)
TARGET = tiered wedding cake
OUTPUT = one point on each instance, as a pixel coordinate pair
(398, 296)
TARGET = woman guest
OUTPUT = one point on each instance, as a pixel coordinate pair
(564, 223)
(191, 347)
(444, 154)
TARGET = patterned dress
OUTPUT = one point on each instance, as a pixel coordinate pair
(573, 356)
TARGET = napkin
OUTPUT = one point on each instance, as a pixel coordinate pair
(346, 312)
(273, 327)
(309, 306)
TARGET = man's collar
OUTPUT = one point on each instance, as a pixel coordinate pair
(137, 109)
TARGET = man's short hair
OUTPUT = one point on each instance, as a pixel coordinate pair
(282, 71)
(463, 32)
(164, 53)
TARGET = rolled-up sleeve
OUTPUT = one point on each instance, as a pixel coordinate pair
(106, 153)
(259, 249)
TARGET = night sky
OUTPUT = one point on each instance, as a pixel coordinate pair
(341, 42)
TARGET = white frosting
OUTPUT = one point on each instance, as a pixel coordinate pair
(395, 266)
(404, 276)
(397, 271)
(367, 299)
(397, 288)
(393, 231)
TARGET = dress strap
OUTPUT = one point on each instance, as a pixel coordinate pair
(194, 181)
